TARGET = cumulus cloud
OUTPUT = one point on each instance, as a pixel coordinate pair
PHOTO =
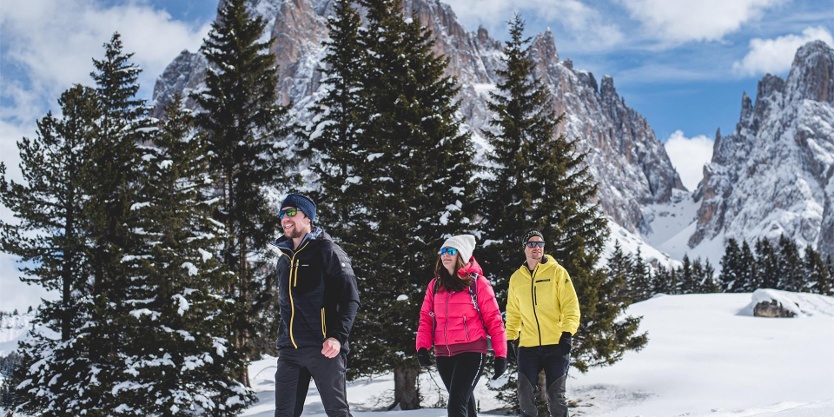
(775, 55)
(49, 45)
(586, 24)
(688, 156)
(678, 21)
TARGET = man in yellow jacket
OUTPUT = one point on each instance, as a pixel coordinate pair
(542, 316)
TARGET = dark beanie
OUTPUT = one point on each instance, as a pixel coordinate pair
(301, 202)
(529, 235)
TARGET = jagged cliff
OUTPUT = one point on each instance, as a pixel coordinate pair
(624, 155)
(773, 174)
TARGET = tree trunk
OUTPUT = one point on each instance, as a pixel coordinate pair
(405, 388)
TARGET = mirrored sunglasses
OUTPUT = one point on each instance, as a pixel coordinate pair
(449, 251)
(534, 244)
(289, 212)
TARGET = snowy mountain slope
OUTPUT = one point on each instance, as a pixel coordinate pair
(623, 153)
(707, 356)
(773, 175)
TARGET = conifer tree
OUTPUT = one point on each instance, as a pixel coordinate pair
(792, 275)
(749, 269)
(768, 265)
(666, 281)
(408, 120)
(538, 180)
(732, 274)
(82, 369)
(688, 277)
(619, 268)
(244, 127)
(334, 143)
(178, 358)
(708, 282)
(50, 239)
(640, 279)
(819, 278)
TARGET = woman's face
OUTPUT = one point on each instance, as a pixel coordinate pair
(449, 260)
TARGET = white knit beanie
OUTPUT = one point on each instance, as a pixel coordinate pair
(463, 243)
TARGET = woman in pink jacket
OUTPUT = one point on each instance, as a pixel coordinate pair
(459, 311)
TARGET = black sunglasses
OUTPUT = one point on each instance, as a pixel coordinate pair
(534, 244)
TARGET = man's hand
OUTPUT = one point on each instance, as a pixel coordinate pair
(330, 348)
(565, 343)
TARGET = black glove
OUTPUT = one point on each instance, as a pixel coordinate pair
(499, 365)
(423, 358)
(512, 351)
(565, 343)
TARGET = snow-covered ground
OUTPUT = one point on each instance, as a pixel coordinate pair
(707, 356)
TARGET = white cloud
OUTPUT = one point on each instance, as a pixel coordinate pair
(776, 55)
(586, 24)
(688, 156)
(677, 21)
(48, 45)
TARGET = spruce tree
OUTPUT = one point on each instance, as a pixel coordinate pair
(732, 274)
(414, 188)
(178, 358)
(689, 283)
(50, 240)
(792, 275)
(749, 268)
(244, 129)
(768, 265)
(640, 279)
(82, 369)
(619, 269)
(538, 180)
(333, 145)
(819, 278)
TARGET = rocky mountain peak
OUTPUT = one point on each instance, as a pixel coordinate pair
(773, 175)
(624, 155)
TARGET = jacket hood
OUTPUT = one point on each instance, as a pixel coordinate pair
(471, 267)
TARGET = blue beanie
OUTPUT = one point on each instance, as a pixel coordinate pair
(301, 202)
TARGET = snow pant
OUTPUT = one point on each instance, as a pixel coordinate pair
(292, 380)
(460, 374)
(531, 361)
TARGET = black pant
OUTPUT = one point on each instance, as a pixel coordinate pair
(460, 374)
(531, 361)
(292, 380)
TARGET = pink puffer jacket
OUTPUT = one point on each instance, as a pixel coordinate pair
(458, 326)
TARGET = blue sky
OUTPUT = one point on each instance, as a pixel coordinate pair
(683, 64)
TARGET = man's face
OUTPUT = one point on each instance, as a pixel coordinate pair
(537, 251)
(294, 222)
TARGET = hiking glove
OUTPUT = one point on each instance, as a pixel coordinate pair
(499, 365)
(423, 358)
(512, 351)
(565, 343)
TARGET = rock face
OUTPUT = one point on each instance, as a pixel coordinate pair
(771, 309)
(773, 175)
(624, 155)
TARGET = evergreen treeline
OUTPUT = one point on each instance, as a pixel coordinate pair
(153, 232)
(781, 266)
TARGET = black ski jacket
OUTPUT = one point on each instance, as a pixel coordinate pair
(317, 294)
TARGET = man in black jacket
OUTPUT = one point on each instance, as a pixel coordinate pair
(318, 301)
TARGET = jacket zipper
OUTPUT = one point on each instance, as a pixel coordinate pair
(291, 283)
(535, 314)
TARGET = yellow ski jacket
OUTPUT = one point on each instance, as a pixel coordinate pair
(541, 305)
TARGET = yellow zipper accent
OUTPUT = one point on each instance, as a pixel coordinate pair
(293, 280)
